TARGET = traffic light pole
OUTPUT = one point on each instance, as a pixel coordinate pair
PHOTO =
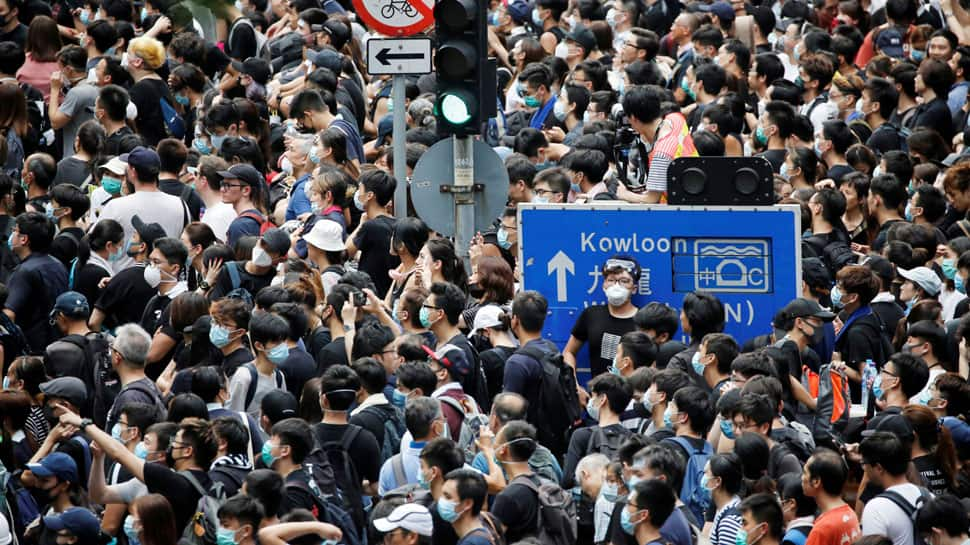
(399, 148)
(464, 164)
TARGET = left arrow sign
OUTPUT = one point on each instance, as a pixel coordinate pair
(386, 57)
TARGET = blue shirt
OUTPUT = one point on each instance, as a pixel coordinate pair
(299, 203)
(242, 227)
(410, 457)
(33, 287)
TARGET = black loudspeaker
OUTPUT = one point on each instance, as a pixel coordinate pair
(722, 181)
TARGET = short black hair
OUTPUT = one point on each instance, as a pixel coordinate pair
(232, 430)
(724, 347)
(765, 508)
(113, 99)
(471, 486)
(639, 348)
(71, 196)
(380, 183)
(245, 509)
(704, 312)
(525, 447)
(886, 449)
(829, 467)
(38, 229)
(670, 380)
(696, 404)
(889, 189)
(912, 372)
(660, 317)
(617, 390)
(883, 91)
(296, 434)
(266, 327)
(530, 307)
(371, 338)
(945, 512)
(657, 498)
(339, 384)
(266, 486)
(173, 250)
(663, 459)
(295, 317)
(839, 134)
(444, 454)
(450, 299)
(937, 75)
(769, 66)
(592, 163)
(642, 103)
(12, 57)
(752, 364)
(520, 167)
(417, 374)
(372, 375)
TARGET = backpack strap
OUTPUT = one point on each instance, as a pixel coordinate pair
(233, 270)
(397, 464)
(85, 449)
(253, 379)
(350, 436)
(194, 482)
(964, 226)
(249, 443)
(186, 192)
(903, 503)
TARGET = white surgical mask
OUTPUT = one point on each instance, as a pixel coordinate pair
(260, 258)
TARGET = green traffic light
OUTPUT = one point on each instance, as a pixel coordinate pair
(455, 110)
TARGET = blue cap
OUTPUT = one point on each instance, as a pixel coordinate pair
(81, 522)
(519, 11)
(71, 304)
(722, 10)
(142, 157)
(55, 464)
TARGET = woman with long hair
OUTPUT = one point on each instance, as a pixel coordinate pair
(492, 283)
(13, 128)
(43, 43)
(410, 235)
(934, 454)
(153, 521)
(332, 149)
(88, 146)
(26, 374)
(438, 262)
(800, 168)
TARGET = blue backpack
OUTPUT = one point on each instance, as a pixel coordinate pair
(691, 493)
(174, 123)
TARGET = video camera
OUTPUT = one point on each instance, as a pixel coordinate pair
(624, 144)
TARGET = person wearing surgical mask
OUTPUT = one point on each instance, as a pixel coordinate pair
(166, 273)
(598, 324)
(649, 505)
(534, 86)
(569, 110)
(761, 520)
(196, 237)
(609, 396)
(257, 272)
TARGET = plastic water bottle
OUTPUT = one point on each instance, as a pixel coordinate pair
(868, 377)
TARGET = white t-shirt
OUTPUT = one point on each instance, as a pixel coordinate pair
(883, 517)
(151, 207)
(218, 217)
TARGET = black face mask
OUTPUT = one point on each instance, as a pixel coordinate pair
(476, 291)
(480, 343)
(169, 458)
(42, 496)
(49, 415)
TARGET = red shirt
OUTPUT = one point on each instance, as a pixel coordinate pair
(840, 526)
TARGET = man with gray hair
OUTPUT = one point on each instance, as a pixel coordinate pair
(507, 407)
(424, 421)
(128, 353)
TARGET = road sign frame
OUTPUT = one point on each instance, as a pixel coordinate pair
(399, 66)
(536, 256)
(382, 24)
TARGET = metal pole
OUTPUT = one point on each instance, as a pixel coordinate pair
(399, 150)
(464, 198)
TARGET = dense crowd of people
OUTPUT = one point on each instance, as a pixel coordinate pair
(215, 331)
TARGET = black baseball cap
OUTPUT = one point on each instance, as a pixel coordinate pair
(258, 69)
(806, 308)
(279, 405)
(149, 232)
(246, 174)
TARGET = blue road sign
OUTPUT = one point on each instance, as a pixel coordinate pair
(748, 256)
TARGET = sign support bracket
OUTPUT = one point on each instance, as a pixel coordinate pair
(399, 148)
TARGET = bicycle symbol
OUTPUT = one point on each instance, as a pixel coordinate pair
(398, 6)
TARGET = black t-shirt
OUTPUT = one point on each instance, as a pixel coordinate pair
(64, 246)
(248, 281)
(112, 145)
(33, 287)
(193, 200)
(668, 350)
(335, 353)
(933, 478)
(235, 359)
(493, 364)
(86, 281)
(374, 242)
(837, 172)
(18, 35)
(231, 478)
(372, 419)
(298, 367)
(517, 506)
(317, 339)
(860, 341)
(296, 495)
(774, 156)
(177, 490)
(602, 331)
(349, 93)
(150, 122)
(364, 451)
(151, 319)
(935, 115)
(881, 236)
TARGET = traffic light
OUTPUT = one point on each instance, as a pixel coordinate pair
(465, 75)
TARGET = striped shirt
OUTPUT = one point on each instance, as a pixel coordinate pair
(727, 522)
(672, 141)
(36, 425)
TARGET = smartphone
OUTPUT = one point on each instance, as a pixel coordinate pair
(360, 299)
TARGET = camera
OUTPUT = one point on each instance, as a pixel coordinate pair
(360, 298)
(624, 143)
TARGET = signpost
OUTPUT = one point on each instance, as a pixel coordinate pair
(748, 256)
(396, 17)
(399, 57)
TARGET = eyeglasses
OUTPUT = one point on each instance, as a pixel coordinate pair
(432, 307)
(544, 192)
(622, 281)
(227, 187)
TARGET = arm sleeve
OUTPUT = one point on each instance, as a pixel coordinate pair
(386, 481)
(369, 464)
(19, 289)
(362, 238)
(514, 377)
(580, 328)
(238, 385)
(70, 103)
(873, 522)
(657, 178)
(577, 446)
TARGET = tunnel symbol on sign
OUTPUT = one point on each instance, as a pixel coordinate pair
(732, 265)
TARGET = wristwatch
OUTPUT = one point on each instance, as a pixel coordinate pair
(85, 422)
(204, 285)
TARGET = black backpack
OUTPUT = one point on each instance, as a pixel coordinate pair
(837, 254)
(326, 510)
(350, 487)
(107, 384)
(394, 428)
(558, 409)
(607, 440)
(909, 509)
